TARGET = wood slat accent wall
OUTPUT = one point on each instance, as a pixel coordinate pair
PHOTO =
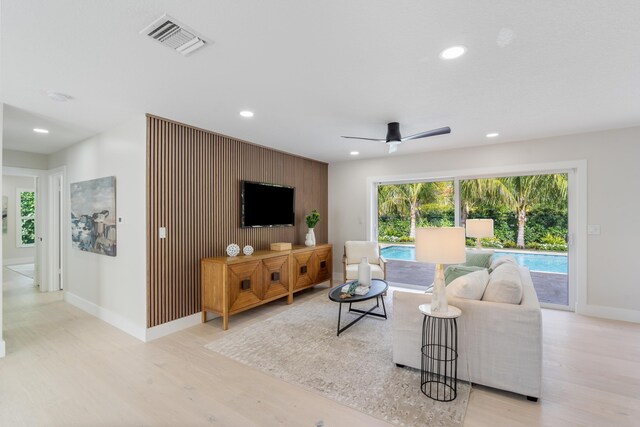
(193, 190)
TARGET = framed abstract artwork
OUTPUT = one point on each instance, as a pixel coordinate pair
(93, 216)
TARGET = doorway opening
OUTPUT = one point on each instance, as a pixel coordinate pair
(19, 208)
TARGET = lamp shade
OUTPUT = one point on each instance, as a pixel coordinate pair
(440, 245)
(479, 228)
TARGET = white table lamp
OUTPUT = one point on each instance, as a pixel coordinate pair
(479, 228)
(440, 245)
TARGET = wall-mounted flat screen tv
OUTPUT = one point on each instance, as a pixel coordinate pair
(267, 205)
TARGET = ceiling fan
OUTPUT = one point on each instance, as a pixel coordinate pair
(394, 138)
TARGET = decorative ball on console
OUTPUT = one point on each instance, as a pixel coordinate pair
(247, 250)
(233, 249)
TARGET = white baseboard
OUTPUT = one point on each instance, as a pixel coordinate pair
(173, 326)
(17, 261)
(108, 316)
(3, 349)
(613, 313)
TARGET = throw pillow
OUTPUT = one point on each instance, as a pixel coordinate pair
(479, 258)
(452, 272)
(505, 285)
(469, 286)
(503, 259)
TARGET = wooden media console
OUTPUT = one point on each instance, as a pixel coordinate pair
(234, 284)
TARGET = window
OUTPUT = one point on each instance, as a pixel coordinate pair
(26, 218)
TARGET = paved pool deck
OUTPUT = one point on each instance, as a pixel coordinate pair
(550, 287)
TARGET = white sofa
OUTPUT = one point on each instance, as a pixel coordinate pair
(499, 344)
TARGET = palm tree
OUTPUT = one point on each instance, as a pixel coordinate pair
(474, 192)
(406, 199)
(521, 193)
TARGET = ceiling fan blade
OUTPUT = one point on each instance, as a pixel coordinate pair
(393, 147)
(433, 132)
(366, 139)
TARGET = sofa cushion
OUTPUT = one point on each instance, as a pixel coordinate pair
(479, 258)
(505, 285)
(469, 286)
(501, 260)
(452, 272)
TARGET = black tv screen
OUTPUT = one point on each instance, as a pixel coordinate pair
(267, 205)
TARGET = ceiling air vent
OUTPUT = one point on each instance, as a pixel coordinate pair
(172, 34)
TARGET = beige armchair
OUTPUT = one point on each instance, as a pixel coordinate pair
(354, 251)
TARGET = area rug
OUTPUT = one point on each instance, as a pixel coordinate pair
(300, 346)
(28, 270)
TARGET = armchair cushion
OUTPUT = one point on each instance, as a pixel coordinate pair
(356, 250)
(352, 272)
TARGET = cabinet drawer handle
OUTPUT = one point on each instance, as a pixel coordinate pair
(245, 284)
(303, 269)
(275, 276)
(323, 264)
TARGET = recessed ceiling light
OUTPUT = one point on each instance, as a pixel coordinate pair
(492, 135)
(453, 52)
(57, 96)
(246, 113)
(354, 153)
(39, 130)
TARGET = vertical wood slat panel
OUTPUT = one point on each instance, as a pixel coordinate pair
(194, 191)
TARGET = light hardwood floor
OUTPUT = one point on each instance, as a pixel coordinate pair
(65, 367)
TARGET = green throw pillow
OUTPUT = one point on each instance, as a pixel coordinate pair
(477, 258)
(454, 271)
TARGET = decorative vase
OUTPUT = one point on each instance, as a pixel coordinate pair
(364, 272)
(308, 240)
(311, 236)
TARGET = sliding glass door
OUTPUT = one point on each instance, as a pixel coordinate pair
(531, 224)
(402, 207)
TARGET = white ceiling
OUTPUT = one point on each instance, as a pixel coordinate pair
(314, 70)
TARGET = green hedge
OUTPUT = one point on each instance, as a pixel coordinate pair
(546, 228)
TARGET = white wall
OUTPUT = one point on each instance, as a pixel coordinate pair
(11, 253)
(23, 159)
(112, 288)
(613, 289)
(2, 346)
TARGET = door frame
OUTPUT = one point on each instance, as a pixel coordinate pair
(577, 224)
(46, 249)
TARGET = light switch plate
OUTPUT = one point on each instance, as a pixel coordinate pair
(593, 229)
(162, 232)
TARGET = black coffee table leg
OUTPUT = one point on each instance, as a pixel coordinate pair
(362, 314)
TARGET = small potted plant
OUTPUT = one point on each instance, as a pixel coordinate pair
(312, 219)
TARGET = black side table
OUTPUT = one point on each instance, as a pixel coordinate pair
(439, 368)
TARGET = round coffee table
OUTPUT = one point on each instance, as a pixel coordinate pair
(378, 287)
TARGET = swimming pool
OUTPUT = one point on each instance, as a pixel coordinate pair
(551, 263)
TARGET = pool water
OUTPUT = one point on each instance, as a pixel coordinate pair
(550, 263)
